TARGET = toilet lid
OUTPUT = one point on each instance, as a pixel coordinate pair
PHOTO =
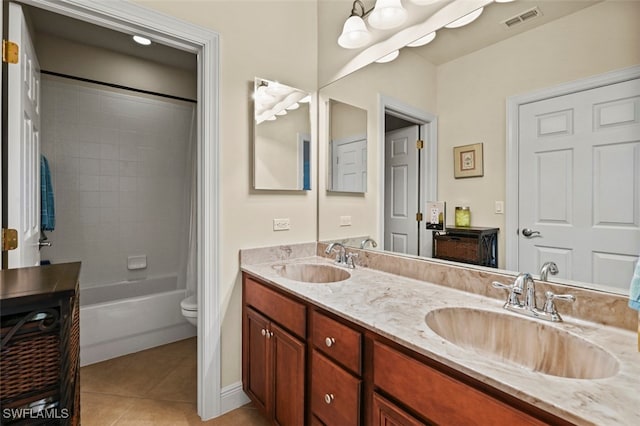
(189, 304)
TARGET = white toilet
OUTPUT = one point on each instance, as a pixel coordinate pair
(190, 309)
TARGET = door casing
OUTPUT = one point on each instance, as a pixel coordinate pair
(428, 158)
(131, 18)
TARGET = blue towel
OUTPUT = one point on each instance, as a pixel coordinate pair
(634, 293)
(47, 207)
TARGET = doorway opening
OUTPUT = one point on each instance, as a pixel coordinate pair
(133, 19)
(408, 153)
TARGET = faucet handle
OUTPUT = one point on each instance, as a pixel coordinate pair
(550, 306)
(351, 263)
(513, 290)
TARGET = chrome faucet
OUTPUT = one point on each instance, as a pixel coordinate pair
(529, 308)
(548, 268)
(364, 242)
(342, 258)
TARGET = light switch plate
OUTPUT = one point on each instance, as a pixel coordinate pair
(281, 224)
(136, 262)
(499, 207)
(345, 220)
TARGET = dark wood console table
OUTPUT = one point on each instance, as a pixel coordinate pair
(478, 246)
(39, 345)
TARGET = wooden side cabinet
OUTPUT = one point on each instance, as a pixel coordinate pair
(478, 246)
(39, 346)
(273, 358)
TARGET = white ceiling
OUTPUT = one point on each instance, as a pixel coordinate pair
(45, 22)
(448, 45)
(489, 28)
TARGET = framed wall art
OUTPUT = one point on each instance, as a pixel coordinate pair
(467, 161)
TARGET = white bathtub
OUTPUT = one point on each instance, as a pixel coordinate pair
(122, 318)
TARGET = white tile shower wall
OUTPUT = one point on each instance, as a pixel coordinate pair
(119, 165)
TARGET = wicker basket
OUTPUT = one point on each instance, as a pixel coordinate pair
(29, 362)
(457, 248)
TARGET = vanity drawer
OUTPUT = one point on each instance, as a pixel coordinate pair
(439, 398)
(460, 248)
(335, 394)
(286, 312)
(338, 341)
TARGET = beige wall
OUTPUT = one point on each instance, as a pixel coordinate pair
(409, 78)
(257, 38)
(80, 60)
(276, 151)
(471, 105)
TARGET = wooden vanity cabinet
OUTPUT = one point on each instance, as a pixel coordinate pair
(354, 376)
(336, 365)
(436, 396)
(273, 357)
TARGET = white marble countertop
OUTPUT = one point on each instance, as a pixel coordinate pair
(395, 307)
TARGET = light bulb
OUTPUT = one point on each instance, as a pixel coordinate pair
(387, 14)
(354, 33)
(466, 19)
(388, 58)
(423, 40)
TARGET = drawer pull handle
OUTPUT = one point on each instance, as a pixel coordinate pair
(271, 334)
(329, 341)
(264, 332)
(328, 398)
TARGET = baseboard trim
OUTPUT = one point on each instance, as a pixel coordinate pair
(232, 397)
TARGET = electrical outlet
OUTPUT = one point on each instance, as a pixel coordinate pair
(499, 207)
(345, 220)
(281, 224)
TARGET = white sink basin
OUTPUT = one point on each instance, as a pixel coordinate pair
(524, 342)
(312, 273)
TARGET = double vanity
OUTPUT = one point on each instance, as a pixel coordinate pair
(413, 341)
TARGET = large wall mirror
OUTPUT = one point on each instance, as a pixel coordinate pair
(347, 147)
(455, 91)
(282, 137)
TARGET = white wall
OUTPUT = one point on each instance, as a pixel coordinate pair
(471, 105)
(119, 167)
(275, 40)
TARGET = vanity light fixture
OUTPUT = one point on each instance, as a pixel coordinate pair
(283, 112)
(388, 58)
(423, 40)
(141, 40)
(386, 14)
(293, 106)
(305, 100)
(466, 19)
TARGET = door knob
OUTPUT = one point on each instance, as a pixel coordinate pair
(529, 232)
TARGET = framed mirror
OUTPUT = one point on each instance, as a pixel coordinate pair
(281, 137)
(347, 147)
(467, 78)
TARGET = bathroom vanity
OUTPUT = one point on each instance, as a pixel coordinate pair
(39, 352)
(331, 350)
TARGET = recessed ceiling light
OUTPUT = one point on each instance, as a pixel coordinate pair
(141, 40)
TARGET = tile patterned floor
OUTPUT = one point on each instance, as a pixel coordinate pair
(152, 387)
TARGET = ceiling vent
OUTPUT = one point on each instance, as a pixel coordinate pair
(522, 17)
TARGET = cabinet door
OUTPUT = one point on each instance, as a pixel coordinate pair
(288, 376)
(257, 359)
(387, 414)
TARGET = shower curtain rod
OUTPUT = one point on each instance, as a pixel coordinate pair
(117, 86)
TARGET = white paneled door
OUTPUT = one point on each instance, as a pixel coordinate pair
(401, 191)
(579, 184)
(350, 164)
(23, 162)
